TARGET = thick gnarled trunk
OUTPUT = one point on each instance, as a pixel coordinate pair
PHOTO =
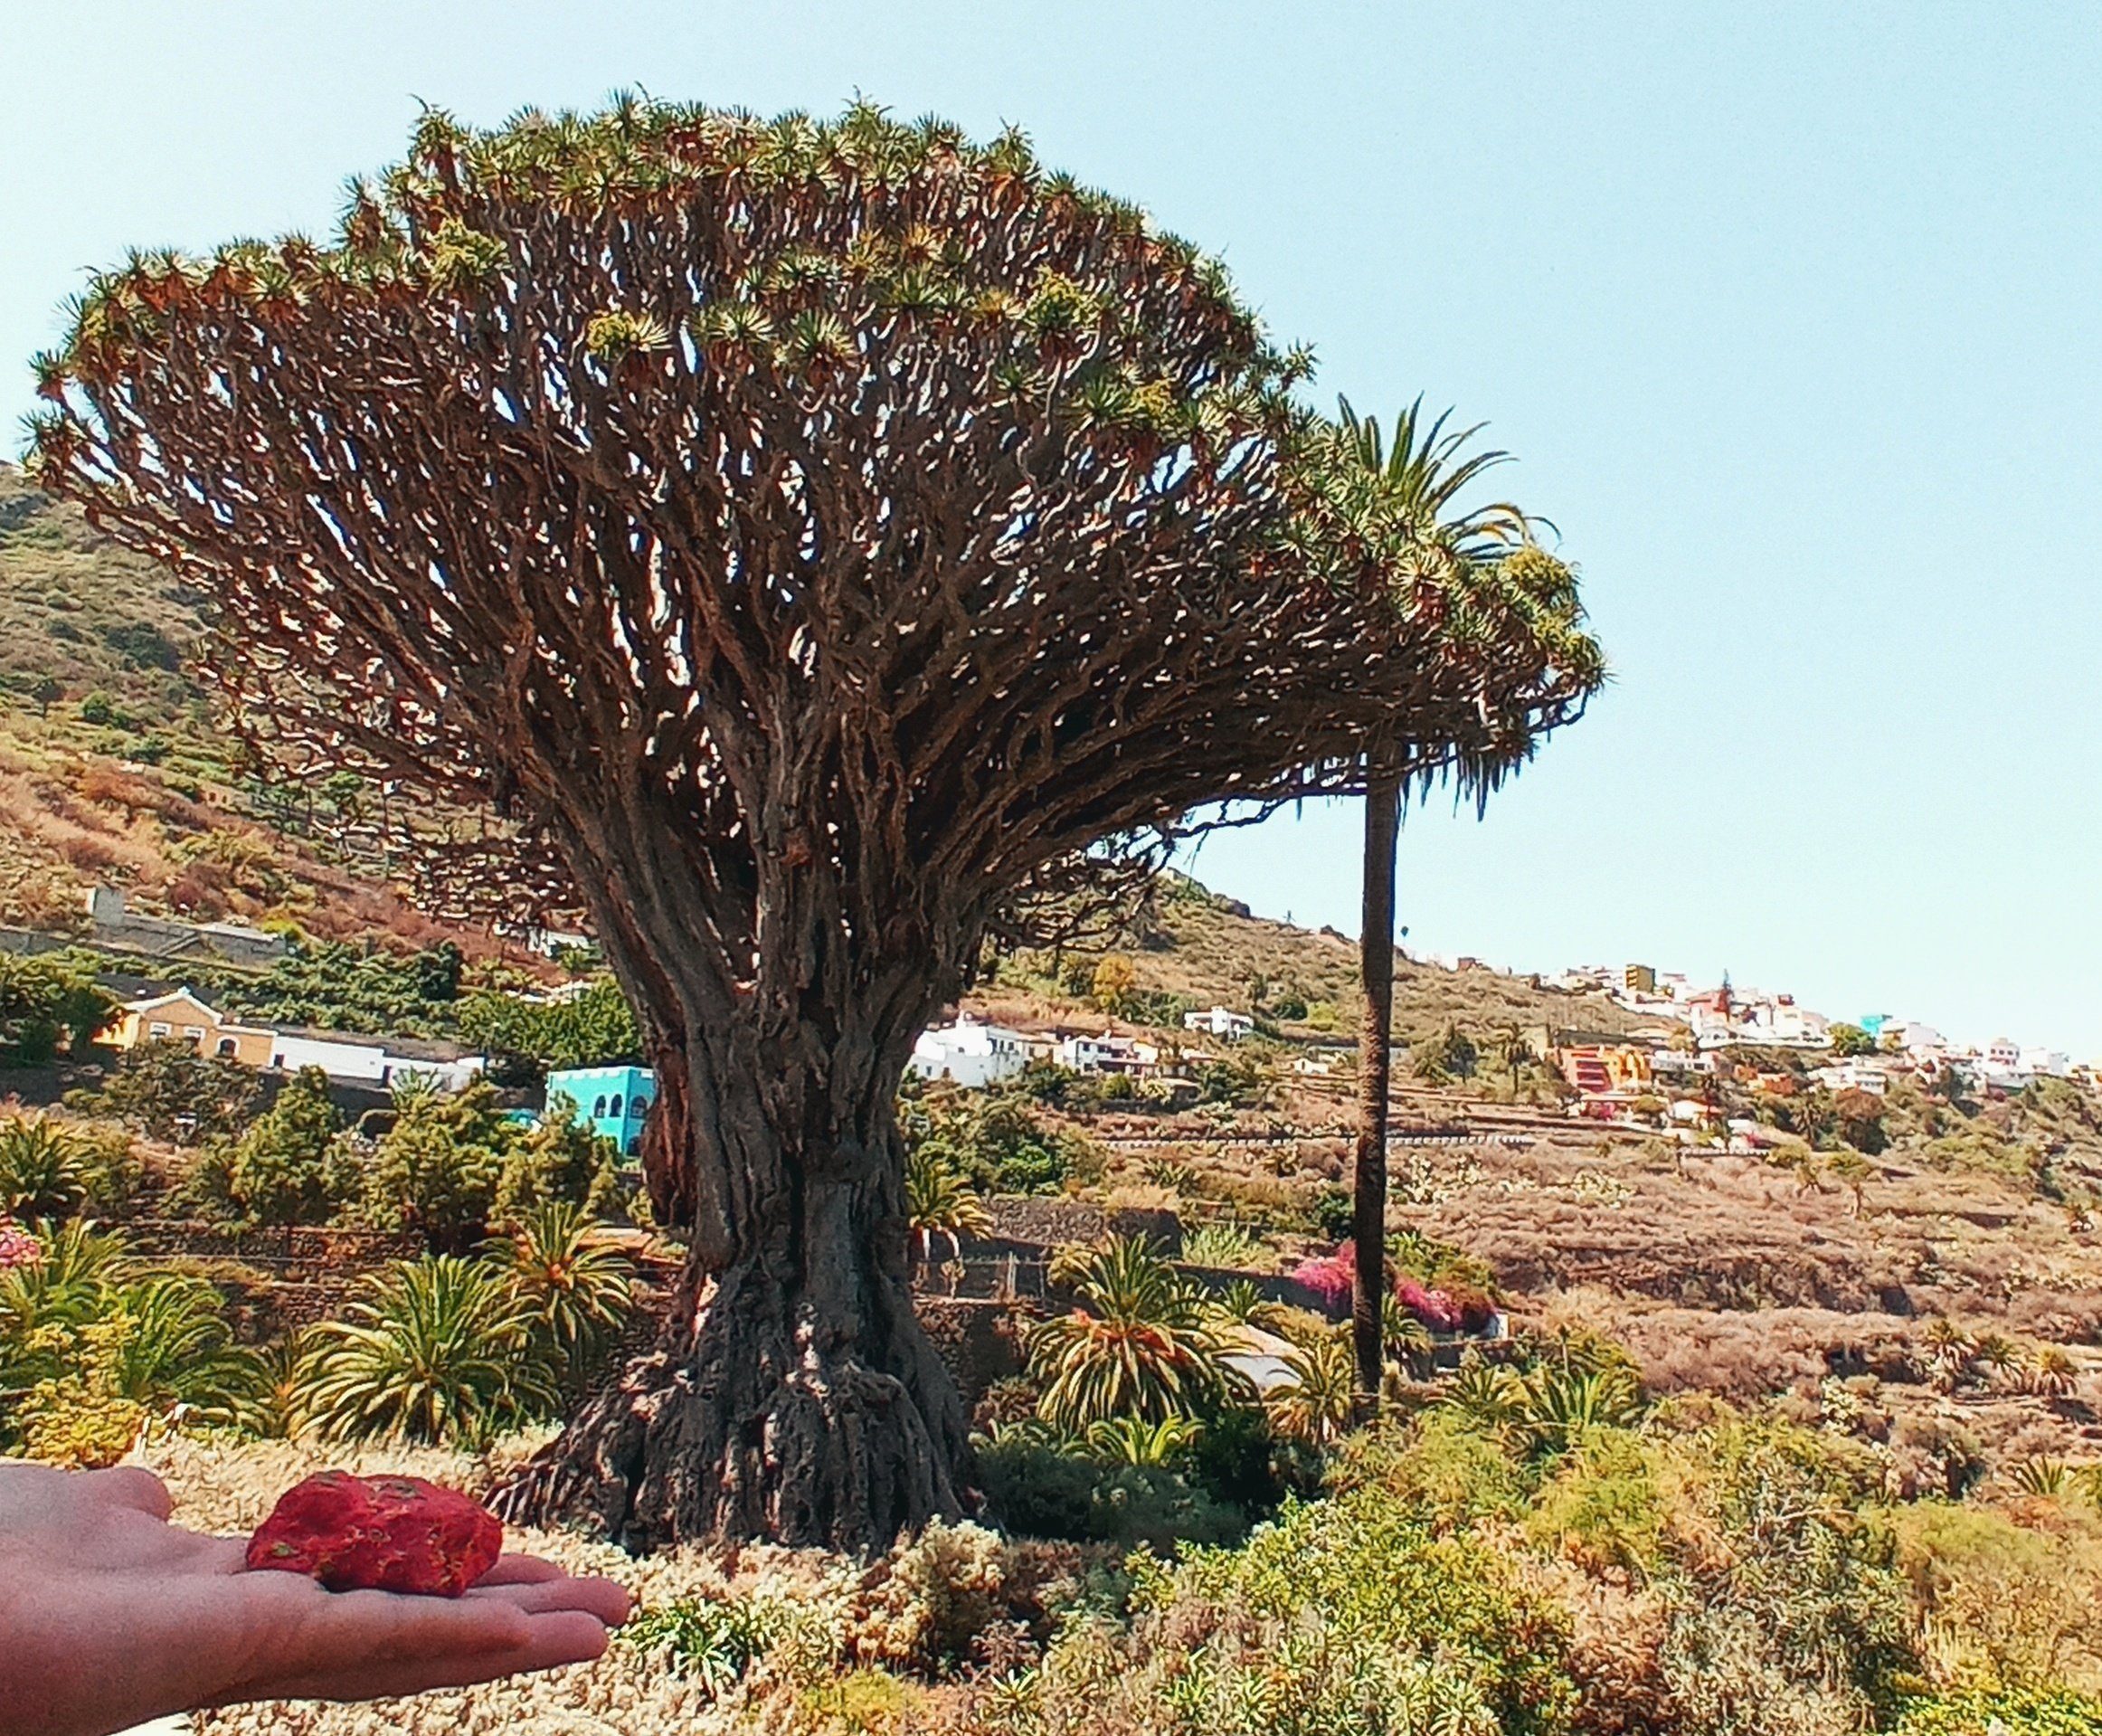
(794, 1396)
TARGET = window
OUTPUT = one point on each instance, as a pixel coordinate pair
(194, 1033)
(228, 1047)
(615, 1110)
(599, 1109)
(158, 1029)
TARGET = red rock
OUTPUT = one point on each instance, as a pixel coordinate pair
(388, 1534)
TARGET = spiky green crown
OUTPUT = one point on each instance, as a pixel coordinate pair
(920, 202)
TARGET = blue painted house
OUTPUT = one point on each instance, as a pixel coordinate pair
(613, 1101)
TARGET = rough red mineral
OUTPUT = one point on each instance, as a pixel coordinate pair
(387, 1534)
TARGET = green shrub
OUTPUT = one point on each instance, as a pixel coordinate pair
(437, 1170)
(1041, 1487)
(168, 1091)
(1349, 1614)
(712, 1641)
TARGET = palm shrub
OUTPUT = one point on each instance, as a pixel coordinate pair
(92, 1352)
(1136, 1346)
(1317, 1406)
(434, 1350)
(939, 1201)
(43, 1170)
(577, 1287)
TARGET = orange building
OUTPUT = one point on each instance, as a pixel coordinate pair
(182, 1016)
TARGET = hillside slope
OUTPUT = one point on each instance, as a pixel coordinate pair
(113, 769)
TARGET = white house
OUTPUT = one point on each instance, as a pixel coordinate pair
(1106, 1053)
(970, 1052)
(1220, 1021)
(1855, 1074)
(371, 1063)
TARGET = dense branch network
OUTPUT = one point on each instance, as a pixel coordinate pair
(749, 504)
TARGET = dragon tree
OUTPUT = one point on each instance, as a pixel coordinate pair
(800, 542)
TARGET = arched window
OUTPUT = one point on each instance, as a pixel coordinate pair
(599, 1110)
(614, 1111)
(227, 1046)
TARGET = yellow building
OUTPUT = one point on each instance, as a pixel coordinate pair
(181, 1017)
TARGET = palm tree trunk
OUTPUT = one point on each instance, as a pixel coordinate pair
(1375, 1049)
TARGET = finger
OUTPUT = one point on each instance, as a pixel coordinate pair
(131, 1485)
(606, 1600)
(548, 1642)
(520, 1570)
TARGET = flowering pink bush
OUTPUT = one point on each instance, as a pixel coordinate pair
(1435, 1308)
(1327, 1279)
(1450, 1307)
(17, 1245)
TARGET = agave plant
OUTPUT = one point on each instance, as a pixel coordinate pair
(1407, 1340)
(1136, 1346)
(41, 1172)
(1318, 1405)
(940, 1203)
(1553, 1409)
(1243, 1302)
(2040, 1475)
(1483, 1394)
(577, 1288)
(435, 1350)
(2051, 1373)
(1227, 1246)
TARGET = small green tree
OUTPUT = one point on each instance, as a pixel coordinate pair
(439, 1167)
(47, 691)
(560, 1161)
(290, 1166)
(1456, 1052)
(168, 1091)
(1113, 982)
(1851, 1039)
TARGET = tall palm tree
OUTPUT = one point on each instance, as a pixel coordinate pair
(1417, 476)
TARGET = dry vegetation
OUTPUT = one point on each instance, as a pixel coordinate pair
(113, 767)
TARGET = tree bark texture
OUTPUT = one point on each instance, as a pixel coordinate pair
(1375, 1053)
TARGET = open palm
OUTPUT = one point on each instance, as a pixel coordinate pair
(111, 1616)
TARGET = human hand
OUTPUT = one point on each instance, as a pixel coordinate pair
(110, 1616)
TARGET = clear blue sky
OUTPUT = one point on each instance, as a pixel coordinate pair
(1791, 312)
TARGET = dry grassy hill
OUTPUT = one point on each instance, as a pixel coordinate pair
(112, 769)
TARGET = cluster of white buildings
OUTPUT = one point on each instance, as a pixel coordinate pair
(1727, 1017)
(970, 1052)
